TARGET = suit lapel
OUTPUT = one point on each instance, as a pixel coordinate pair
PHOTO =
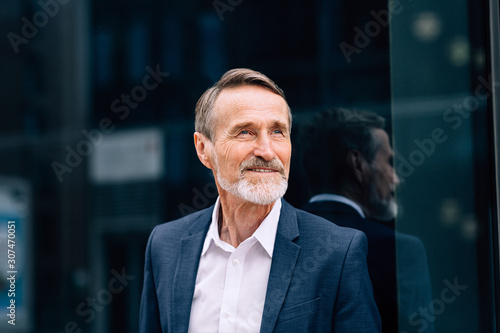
(285, 256)
(186, 271)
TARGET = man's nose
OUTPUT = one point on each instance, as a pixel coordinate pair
(264, 148)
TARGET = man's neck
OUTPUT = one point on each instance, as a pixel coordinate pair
(357, 196)
(238, 219)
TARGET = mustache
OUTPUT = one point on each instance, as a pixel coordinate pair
(258, 162)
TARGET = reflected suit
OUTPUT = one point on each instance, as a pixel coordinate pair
(408, 270)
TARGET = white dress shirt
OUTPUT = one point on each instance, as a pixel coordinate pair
(231, 283)
(339, 198)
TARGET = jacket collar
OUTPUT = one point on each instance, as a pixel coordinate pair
(283, 263)
(186, 270)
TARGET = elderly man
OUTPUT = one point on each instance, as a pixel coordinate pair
(252, 262)
(353, 185)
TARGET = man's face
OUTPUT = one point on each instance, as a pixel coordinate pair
(252, 147)
(383, 180)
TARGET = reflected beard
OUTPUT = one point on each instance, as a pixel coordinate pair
(381, 209)
(258, 191)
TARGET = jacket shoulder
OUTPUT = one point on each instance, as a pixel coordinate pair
(319, 224)
(180, 228)
(317, 230)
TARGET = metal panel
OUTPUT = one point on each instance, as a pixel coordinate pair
(495, 100)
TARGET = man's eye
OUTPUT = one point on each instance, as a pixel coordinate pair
(244, 132)
(277, 131)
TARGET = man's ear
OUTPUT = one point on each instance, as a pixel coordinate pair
(358, 165)
(203, 148)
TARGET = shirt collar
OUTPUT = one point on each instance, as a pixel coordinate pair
(339, 198)
(265, 233)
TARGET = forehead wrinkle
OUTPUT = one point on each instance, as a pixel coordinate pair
(234, 97)
(241, 105)
(247, 99)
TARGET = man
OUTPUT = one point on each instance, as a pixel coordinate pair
(252, 262)
(353, 185)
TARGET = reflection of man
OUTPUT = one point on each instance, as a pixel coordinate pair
(252, 262)
(353, 185)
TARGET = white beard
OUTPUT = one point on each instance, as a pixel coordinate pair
(382, 209)
(263, 192)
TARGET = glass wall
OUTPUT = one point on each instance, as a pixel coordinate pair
(442, 133)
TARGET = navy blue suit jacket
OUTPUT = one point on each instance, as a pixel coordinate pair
(318, 280)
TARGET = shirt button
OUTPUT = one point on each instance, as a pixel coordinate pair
(236, 262)
(227, 314)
